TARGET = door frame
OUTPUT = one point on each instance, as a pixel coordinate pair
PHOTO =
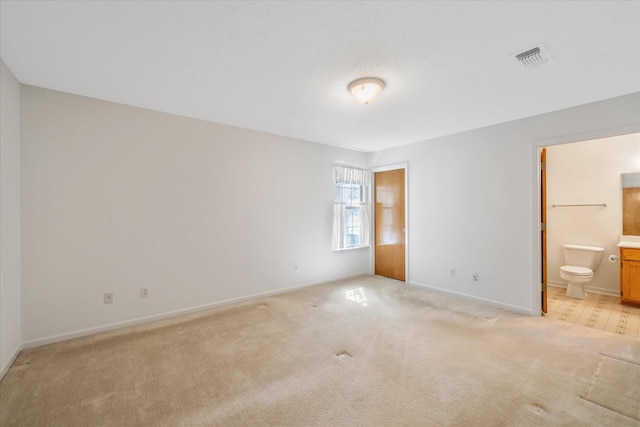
(536, 217)
(543, 227)
(372, 261)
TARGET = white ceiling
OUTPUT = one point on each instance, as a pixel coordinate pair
(283, 67)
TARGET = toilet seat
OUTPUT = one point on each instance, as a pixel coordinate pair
(574, 270)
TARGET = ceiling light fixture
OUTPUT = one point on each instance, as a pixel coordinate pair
(366, 89)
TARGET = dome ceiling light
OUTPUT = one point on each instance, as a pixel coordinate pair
(366, 89)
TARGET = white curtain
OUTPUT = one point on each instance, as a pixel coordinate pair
(338, 225)
(351, 175)
(343, 174)
(365, 225)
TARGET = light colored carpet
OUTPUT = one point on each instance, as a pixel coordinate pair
(363, 352)
(606, 390)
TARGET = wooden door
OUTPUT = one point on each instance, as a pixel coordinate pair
(389, 199)
(543, 225)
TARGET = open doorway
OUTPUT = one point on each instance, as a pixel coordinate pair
(581, 204)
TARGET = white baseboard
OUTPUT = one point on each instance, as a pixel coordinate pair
(141, 320)
(492, 303)
(7, 365)
(594, 290)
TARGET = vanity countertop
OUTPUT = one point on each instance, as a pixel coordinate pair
(629, 242)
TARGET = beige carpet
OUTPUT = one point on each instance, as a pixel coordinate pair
(367, 351)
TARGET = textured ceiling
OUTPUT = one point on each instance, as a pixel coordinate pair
(284, 67)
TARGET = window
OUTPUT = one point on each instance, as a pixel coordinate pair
(351, 196)
(351, 215)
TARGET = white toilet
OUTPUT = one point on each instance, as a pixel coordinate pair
(581, 262)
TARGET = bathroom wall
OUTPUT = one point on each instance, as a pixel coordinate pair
(584, 173)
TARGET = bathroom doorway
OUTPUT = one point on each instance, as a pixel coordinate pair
(581, 203)
(543, 226)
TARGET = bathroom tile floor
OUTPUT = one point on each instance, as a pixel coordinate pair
(596, 311)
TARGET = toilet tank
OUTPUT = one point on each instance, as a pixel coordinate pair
(582, 256)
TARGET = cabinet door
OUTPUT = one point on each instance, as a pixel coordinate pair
(630, 278)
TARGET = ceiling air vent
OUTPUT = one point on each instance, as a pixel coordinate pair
(532, 57)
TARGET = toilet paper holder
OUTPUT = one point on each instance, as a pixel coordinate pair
(613, 258)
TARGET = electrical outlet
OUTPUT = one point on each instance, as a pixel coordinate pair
(295, 268)
(108, 298)
(452, 272)
(144, 292)
(474, 277)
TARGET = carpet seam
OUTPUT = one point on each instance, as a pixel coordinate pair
(610, 409)
(621, 359)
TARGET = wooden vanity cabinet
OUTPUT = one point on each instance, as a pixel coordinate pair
(630, 275)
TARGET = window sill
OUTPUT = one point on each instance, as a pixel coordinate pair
(351, 248)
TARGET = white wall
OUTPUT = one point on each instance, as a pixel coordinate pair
(583, 173)
(116, 198)
(10, 339)
(473, 200)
